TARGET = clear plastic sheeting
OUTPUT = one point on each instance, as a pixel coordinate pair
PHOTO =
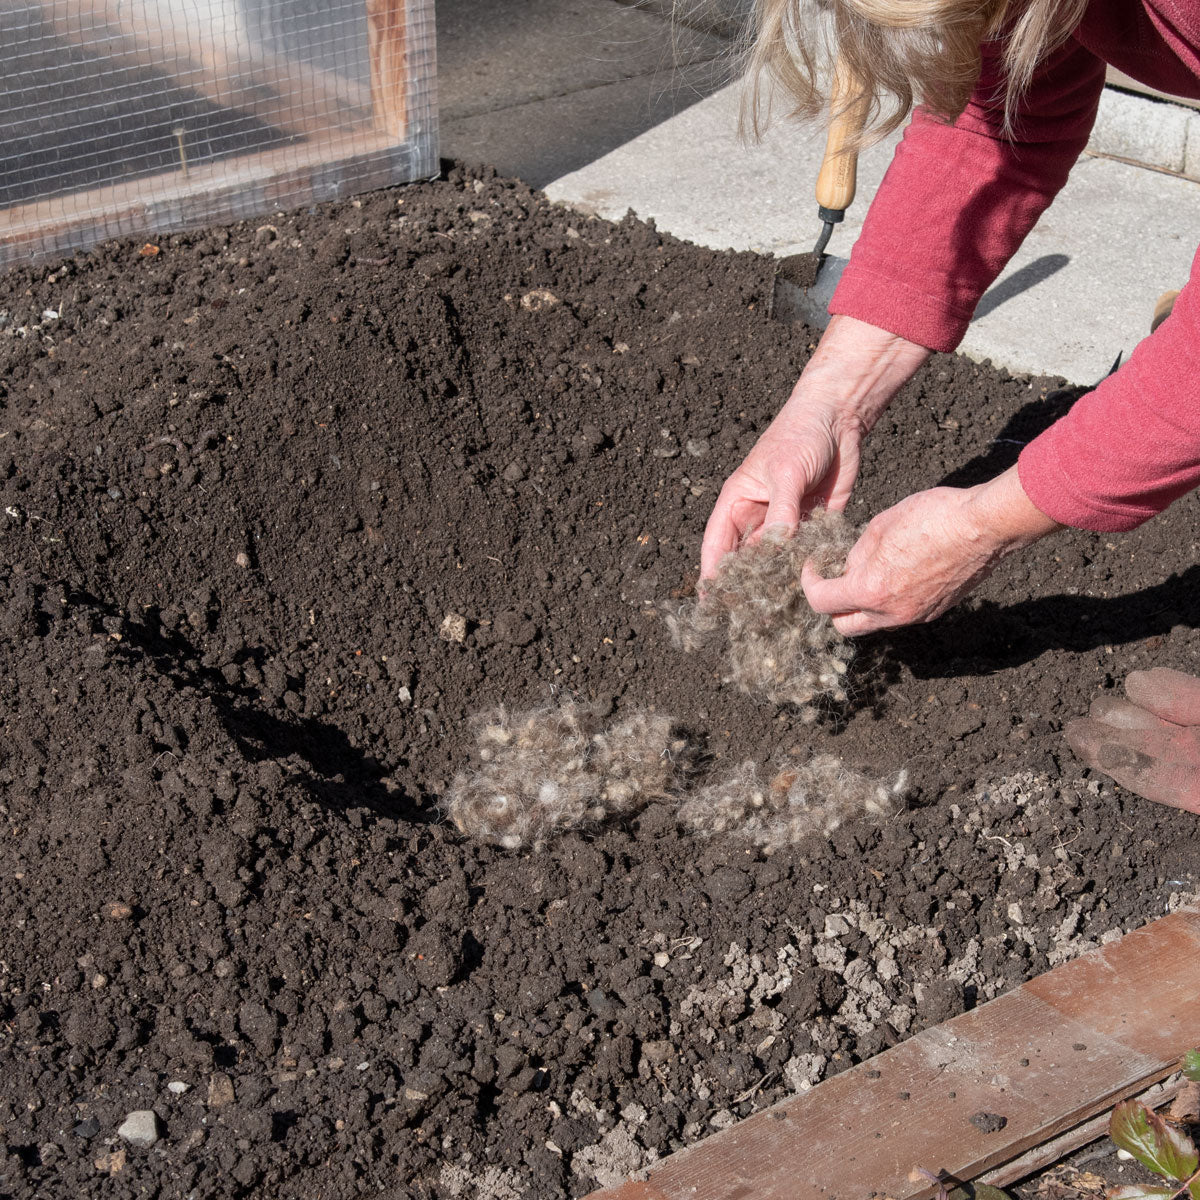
(146, 116)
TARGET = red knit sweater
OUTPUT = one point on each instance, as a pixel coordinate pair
(956, 203)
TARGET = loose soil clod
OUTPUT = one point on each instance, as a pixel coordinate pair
(816, 797)
(559, 768)
(779, 648)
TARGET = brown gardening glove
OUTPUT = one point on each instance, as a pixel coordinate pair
(1149, 743)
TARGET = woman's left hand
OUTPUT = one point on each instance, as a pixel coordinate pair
(919, 558)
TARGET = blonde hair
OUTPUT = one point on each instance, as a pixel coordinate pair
(893, 53)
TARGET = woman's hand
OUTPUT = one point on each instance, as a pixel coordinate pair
(809, 454)
(920, 557)
(1149, 743)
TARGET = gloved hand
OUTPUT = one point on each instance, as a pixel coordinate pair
(1149, 743)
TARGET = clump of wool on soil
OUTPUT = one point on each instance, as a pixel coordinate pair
(780, 807)
(560, 767)
(779, 648)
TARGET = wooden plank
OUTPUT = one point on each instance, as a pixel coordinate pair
(1043, 1058)
(387, 49)
(219, 63)
(233, 190)
(1055, 1150)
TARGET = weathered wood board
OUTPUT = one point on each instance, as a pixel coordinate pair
(1026, 1066)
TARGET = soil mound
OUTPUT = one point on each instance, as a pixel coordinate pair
(282, 507)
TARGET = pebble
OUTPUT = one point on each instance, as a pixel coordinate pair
(988, 1122)
(242, 559)
(118, 911)
(88, 1128)
(404, 695)
(514, 472)
(454, 628)
(662, 958)
(141, 1128)
(539, 299)
(220, 1090)
(836, 926)
(658, 1052)
(177, 1087)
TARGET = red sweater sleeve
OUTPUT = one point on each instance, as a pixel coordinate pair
(959, 199)
(1128, 449)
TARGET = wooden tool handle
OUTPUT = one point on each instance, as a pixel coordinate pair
(838, 176)
(1162, 309)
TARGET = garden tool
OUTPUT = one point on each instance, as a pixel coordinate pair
(838, 177)
(1162, 309)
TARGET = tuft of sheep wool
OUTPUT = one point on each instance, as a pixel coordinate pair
(556, 768)
(790, 802)
(778, 647)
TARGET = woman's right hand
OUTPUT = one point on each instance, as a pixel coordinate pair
(809, 454)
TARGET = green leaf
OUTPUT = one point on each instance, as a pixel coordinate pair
(1191, 1065)
(1139, 1191)
(1150, 1140)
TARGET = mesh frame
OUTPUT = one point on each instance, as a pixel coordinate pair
(132, 117)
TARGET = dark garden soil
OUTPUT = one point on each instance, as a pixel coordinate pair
(244, 481)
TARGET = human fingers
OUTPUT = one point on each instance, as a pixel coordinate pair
(783, 509)
(840, 595)
(1121, 714)
(844, 599)
(1171, 695)
(856, 624)
(1147, 762)
(732, 516)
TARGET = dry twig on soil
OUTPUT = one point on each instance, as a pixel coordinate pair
(557, 768)
(778, 647)
(796, 800)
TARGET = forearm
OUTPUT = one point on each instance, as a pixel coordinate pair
(1131, 447)
(859, 368)
(957, 201)
(1004, 516)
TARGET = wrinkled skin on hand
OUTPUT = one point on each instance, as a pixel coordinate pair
(913, 562)
(1149, 743)
(807, 457)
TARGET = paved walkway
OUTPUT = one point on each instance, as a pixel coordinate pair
(1081, 288)
(610, 108)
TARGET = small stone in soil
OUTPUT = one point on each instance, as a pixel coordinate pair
(454, 628)
(88, 1128)
(118, 911)
(987, 1122)
(140, 1128)
(177, 1087)
(220, 1090)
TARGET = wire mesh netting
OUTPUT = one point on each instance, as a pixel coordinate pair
(122, 116)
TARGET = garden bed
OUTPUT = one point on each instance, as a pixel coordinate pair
(246, 475)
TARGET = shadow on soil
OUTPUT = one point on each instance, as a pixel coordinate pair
(992, 637)
(340, 776)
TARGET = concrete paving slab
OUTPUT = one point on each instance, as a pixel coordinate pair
(1081, 289)
(510, 52)
(538, 88)
(542, 140)
(1143, 130)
